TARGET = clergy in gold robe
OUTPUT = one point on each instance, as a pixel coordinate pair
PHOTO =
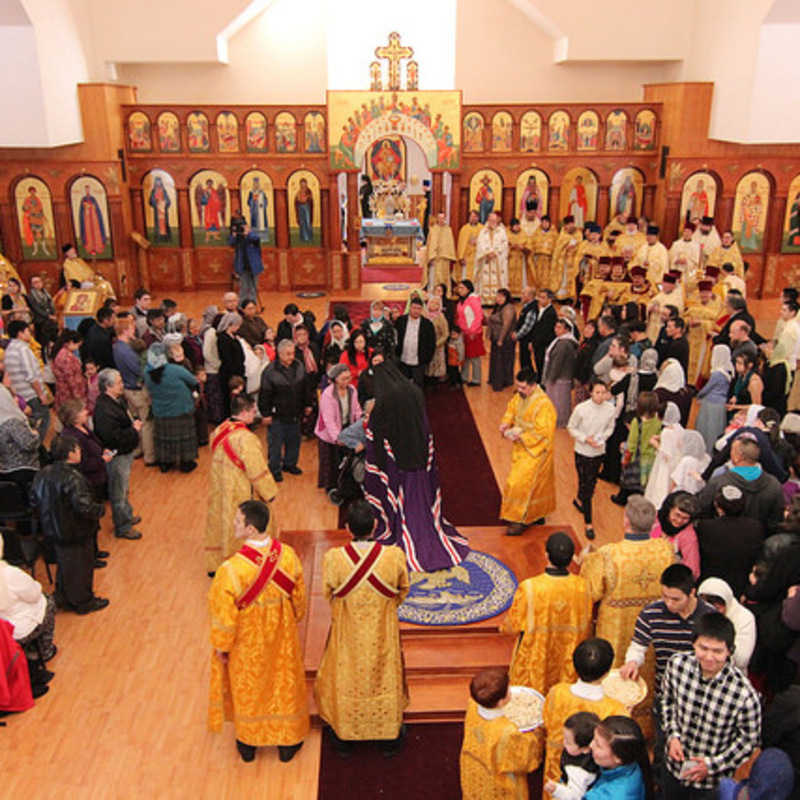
(552, 615)
(728, 252)
(624, 577)
(639, 290)
(467, 243)
(593, 659)
(589, 251)
(652, 255)
(239, 472)
(7, 270)
(517, 245)
(630, 240)
(670, 295)
(496, 756)
(707, 239)
(617, 225)
(593, 293)
(257, 680)
(564, 266)
(703, 310)
(542, 244)
(616, 287)
(684, 256)
(491, 259)
(77, 273)
(360, 688)
(530, 424)
(440, 253)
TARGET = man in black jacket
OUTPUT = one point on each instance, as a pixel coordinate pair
(284, 399)
(416, 342)
(69, 517)
(544, 328)
(100, 339)
(736, 306)
(523, 334)
(117, 432)
(675, 344)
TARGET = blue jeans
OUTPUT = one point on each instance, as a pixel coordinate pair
(119, 478)
(40, 416)
(283, 439)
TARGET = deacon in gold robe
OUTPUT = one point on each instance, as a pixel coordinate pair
(630, 241)
(707, 239)
(440, 253)
(552, 613)
(360, 688)
(728, 252)
(653, 256)
(617, 225)
(624, 577)
(670, 295)
(77, 273)
(491, 259)
(702, 312)
(467, 243)
(239, 472)
(530, 424)
(589, 251)
(714, 274)
(257, 674)
(517, 244)
(496, 756)
(564, 266)
(684, 257)
(593, 293)
(639, 290)
(542, 245)
(593, 659)
(530, 218)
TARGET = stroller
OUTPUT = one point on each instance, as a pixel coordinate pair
(350, 478)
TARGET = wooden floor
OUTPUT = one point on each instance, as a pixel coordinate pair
(126, 713)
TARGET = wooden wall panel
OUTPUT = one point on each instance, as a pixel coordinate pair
(268, 280)
(307, 268)
(165, 269)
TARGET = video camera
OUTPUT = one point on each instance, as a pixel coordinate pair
(237, 225)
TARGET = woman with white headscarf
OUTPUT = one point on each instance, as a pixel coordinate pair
(718, 594)
(671, 387)
(670, 443)
(713, 415)
(19, 443)
(693, 460)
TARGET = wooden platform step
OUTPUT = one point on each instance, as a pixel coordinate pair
(456, 655)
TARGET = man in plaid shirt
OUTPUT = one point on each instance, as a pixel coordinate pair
(710, 713)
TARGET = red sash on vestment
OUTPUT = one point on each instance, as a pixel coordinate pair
(363, 571)
(221, 438)
(269, 572)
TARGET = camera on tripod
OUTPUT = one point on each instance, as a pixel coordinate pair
(237, 225)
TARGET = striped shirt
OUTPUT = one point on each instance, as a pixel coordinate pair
(668, 633)
(22, 369)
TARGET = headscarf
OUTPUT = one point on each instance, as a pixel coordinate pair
(663, 515)
(309, 362)
(434, 314)
(398, 419)
(648, 363)
(672, 415)
(336, 370)
(171, 339)
(721, 360)
(741, 617)
(695, 460)
(9, 408)
(753, 410)
(672, 378)
(345, 332)
(156, 355)
(230, 319)
(174, 321)
(209, 315)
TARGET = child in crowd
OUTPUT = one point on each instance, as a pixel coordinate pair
(495, 755)
(455, 357)
(269, 343)
(644, 426)
(201, 406)
(590, 425)
(578, 770)
(91, 373)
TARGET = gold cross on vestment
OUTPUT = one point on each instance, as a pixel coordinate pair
(394, 52)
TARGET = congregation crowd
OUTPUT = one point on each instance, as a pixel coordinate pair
(650, 360)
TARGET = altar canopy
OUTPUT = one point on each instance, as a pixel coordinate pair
(391, 241)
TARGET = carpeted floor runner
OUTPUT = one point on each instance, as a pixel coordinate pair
(426, 769)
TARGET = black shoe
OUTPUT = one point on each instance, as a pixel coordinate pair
(343, 748)
(165, 467)
(277, 477)
(135, 521)
(39, 690)
(589, 533)
(52, 654)
(102, 554)
(41, 677)
(391, 748)
(211, 574)
(515, 529)
(246, 751)
(295, 470)
(288, 752)
(131, 534)
(97, 604)
(187, 466)
(540, 521)
(99, 563)
(577, 503)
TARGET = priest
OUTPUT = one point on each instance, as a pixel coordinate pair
(79, 275)
(728, 252)
(517, 245)
(589, 251)
(670, 295)
(703, 310)
(684, 256)
(257, 676)
(360, 688)
(491, 259)
(239, 472)
(467, 243)
(541, 246)
(707, 239)
(440, 253)
(652, 255)
(564, 266)
(630, 240)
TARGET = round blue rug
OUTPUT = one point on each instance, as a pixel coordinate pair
(478, 588)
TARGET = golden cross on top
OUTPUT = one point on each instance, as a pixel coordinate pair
(394, 52)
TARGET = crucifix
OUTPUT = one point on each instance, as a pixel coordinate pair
(394, 52)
